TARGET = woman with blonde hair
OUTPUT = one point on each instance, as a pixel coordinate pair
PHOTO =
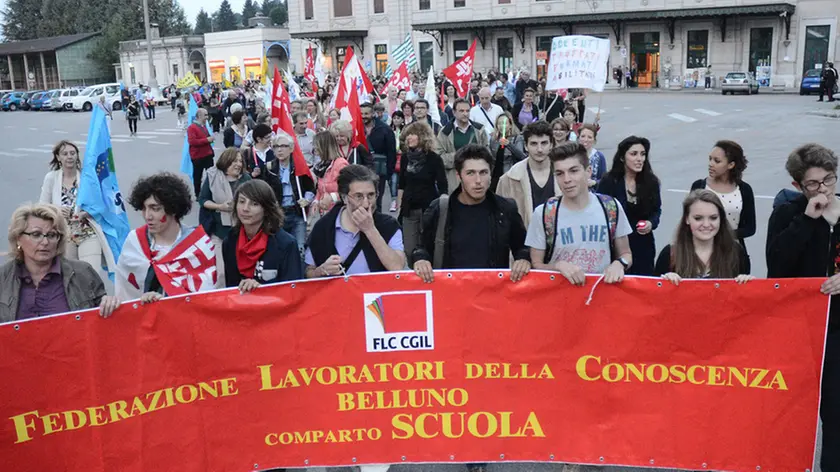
(506, 145)
(342, 130)
(326, 170)
(422, 180)
(215, 201)
(40, 281)
(85, 239)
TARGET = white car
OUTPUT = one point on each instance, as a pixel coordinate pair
(89, 97)
(739, 82)
(62, 101)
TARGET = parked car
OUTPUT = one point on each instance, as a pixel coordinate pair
(11, 101)
(37, 100)
(89, 97)
(64, 99)
(739, 82)
(51, 100)
(27, 99)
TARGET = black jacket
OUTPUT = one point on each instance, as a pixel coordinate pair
(322, 238)
(800, 246)
(281, 256)
(381, 140)
(746, 225)
(361, 156)
(271, 176)
(535, 111)
(228, 136)
(507, 233)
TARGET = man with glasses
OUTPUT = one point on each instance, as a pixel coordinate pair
(803, 240)
(353, 238)
(257, 156)
(421, 113)
(305, 137)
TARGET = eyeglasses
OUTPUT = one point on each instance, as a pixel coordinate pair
(359, 197)
(38, 236)
(277, 146)
(814, 185)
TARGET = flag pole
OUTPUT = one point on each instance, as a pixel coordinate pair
(300, 193)
(600, 100)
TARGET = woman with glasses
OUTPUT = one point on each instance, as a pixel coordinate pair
(727, 164)
(85, 240)
(40, 281)
(215, 201)
(257, 156)
(293, 193)
(561, 130)
(257, 251)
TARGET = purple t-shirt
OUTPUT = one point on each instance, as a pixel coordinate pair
(345, 241)
(48, 298)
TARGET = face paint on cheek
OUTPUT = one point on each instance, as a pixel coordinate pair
(163, 219)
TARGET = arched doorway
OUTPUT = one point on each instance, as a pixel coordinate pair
(277, 54)
(197, 64)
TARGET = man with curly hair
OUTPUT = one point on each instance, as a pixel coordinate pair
(158, 259)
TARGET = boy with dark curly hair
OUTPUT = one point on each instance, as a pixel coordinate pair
(159, 259)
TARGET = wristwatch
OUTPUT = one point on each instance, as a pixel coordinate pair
(623, 262)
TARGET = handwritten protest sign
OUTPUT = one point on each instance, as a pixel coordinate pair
(578, 62)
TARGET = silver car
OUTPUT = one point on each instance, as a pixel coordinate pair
(739, 82)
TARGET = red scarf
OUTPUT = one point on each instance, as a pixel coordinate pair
(249, 252)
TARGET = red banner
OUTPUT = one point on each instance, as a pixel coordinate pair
(385, 369)
(399, 79)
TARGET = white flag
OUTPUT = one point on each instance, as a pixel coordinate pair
(431, 96)
(294, 89)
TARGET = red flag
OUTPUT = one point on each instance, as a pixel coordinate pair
(309, 69)
(461, 71)
(282, 120)
(399, 79)
(349, 78)
(359, 135)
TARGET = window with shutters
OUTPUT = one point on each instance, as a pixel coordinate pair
(308, 10)
(378, 6)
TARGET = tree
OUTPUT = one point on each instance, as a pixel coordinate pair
(21, 19)
(249, 10)
(202, 23)
(279, 14)
(224, 18)
(266, 7)
(170, 17)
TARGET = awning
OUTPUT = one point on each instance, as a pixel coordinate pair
(356, 36)
(684, 13)
(615, 19)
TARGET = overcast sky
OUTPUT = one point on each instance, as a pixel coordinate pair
(191, 7)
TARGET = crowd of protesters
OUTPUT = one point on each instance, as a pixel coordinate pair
(506, 180)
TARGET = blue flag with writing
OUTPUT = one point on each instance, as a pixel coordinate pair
(186, 162)
(99, 192)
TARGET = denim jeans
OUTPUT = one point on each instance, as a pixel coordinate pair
(395, 181)
(295, 226)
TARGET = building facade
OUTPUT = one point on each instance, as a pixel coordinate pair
(172, 56)
(664, 41)
(237, 55)
(48, 63)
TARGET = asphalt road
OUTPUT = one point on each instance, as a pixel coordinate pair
(682, 128)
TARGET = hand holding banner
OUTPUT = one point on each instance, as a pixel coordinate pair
(578, 62)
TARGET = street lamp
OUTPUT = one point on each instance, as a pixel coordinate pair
(153, 84)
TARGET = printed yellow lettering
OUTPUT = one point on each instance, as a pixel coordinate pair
(580, 367)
